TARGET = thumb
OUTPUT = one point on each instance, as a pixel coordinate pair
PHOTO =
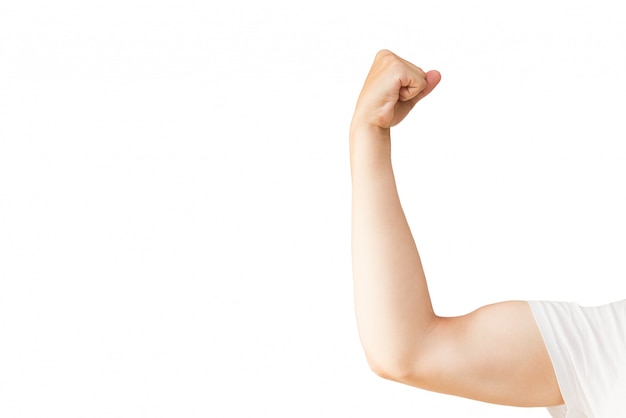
(416, 91)
(432, 77)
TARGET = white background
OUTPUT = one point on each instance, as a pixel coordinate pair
(175, 193)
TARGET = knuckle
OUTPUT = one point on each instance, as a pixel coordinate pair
(385, 55)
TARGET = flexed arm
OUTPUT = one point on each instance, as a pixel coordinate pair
(494, 354)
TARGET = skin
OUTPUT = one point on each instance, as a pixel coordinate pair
(495, 354)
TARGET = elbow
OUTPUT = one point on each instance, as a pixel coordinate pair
(394, 368)
(410, 361)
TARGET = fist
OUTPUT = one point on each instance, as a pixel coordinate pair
(392, 87)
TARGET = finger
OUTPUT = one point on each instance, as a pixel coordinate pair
(412, 87)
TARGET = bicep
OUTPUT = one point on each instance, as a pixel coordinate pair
(495, 354)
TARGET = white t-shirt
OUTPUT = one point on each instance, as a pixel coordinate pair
(587, 346)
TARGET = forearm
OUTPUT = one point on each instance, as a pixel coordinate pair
(392, 302)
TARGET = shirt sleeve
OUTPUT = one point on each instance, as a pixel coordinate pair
(587, 347)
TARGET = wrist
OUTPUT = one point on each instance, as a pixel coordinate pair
(370, 145)
(363, 130)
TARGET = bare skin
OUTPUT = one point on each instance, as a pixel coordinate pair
(495, 354)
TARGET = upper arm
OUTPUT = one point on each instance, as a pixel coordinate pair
(495, 354)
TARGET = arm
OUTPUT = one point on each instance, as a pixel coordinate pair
(494, 354)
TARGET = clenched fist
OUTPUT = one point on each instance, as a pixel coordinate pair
(392, 87)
